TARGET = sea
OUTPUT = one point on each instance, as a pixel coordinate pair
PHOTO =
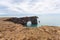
(45, 19)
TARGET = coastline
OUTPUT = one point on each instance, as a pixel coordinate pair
(13, 31)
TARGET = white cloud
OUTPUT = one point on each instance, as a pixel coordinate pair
(32, 6)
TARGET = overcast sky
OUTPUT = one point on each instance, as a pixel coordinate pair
(29, 7)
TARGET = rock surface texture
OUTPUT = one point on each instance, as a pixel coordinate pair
(23, 20)
(12, 31)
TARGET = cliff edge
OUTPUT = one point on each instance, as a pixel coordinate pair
(12, 31)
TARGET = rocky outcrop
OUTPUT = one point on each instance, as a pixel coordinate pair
(23, 20)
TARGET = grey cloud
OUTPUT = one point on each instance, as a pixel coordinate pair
(57, 6)
(36, 0)
(20, 9)
(17, 1)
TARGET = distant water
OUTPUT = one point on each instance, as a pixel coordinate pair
(51, 20)
(45, 19)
